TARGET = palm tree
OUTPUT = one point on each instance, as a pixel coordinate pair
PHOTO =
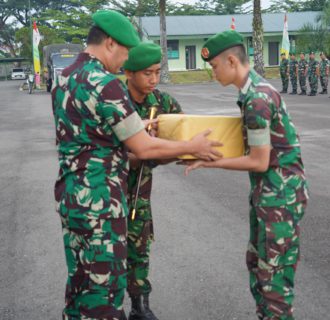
(258, 38)
(164, 75)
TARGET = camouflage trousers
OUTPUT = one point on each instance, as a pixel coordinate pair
(313, 83)
(140, 237)
(95, 253)
(272, 257)
(302, 83)
(293, 83)
(285, 82)
(324, 82)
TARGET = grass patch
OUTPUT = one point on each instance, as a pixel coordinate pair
(194, 76)
(272, 72)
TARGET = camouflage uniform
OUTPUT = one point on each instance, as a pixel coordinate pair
(277, 199)
(302, 67)
(293, 66)
(284, 74)
(93, 115)
(324, 74)
(312, 75)
(140, 230)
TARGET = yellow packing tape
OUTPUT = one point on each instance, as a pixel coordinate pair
(226, 129)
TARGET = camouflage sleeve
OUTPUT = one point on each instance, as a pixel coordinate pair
(117, 109)
(257, 118)
(170, 104)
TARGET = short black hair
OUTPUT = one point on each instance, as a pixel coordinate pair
(239, 52)
(96, 36)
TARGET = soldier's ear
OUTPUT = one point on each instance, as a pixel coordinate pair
(110, 43)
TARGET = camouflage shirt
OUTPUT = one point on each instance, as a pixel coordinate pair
(293, 67)
(312, 66)
(284, 66)
(165, 104)
(267, 121)
(324, 67)
(93, 115)
(302, 66)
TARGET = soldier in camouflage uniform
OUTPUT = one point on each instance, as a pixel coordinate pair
(142, 71)
(324, 73)
(293, 69)
(313, 74)
(284, 72)
(278, 186)
(302, 73)
(94, 120)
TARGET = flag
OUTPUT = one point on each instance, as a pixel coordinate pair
(36, 58)
(232, 26)
(285, 38)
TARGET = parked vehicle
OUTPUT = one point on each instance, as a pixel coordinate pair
(18, 74)
(56, 58)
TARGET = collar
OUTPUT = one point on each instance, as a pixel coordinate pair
(247, 84)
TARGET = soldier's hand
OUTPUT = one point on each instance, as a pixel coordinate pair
(204, 147)
(192, 165)
(153, 123)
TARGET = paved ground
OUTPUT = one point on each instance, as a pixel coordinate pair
(201, 222)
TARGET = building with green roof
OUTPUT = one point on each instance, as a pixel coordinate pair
(187, 34)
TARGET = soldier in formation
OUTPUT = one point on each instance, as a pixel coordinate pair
(324, 73)
(302, 73)
(293, 69)
(95, 124)
(284, 72)
(142, 70)
(313, 74)
(278, 194)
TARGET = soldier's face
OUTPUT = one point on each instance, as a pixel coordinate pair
(223, 69)
(117, 55)
(145, 81)
(302, 57)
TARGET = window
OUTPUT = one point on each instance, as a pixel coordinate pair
(173, 49)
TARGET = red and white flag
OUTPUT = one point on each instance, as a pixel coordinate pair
(232, 26)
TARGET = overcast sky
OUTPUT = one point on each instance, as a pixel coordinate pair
(264, 3)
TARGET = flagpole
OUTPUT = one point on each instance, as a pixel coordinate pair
(31, 34)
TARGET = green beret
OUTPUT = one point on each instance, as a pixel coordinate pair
(143, 56)
(117, 27)
(311, 52)
(221, 42)
(282, 54)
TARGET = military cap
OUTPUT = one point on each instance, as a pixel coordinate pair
(282, 54)
(117, 27)
(311, 52)
(143, 56)
(221, 42)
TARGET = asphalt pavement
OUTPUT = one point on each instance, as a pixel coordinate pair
(201, 221)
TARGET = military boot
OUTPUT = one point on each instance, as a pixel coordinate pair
(140, 309)
(302, 93)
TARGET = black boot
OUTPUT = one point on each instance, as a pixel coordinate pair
(140, 310)
(302, 93)
(284, 91)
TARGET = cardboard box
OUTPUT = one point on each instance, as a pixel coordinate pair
(226, 129)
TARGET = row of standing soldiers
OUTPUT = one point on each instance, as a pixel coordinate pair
(299, 70)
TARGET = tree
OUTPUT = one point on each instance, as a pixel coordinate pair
(258, 38)
(315, 36)
(164, 75)
(297, 6)
(23, 36)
